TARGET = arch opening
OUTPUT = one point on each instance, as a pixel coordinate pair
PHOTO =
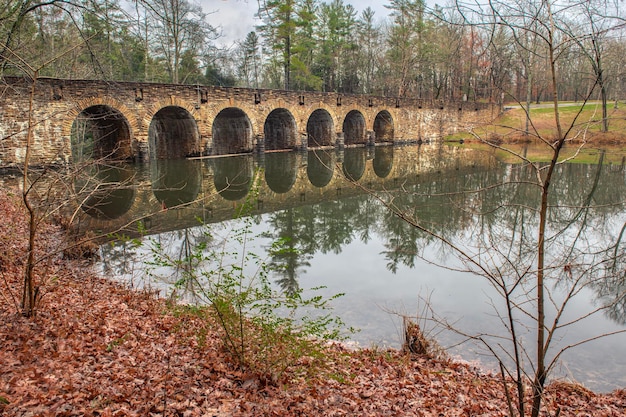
(320, 129)
(232, 132)
(280, 130)
(383, 127)
(100, 132)
(173, 134)
(354, 128)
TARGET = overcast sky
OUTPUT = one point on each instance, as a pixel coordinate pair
(236, 17)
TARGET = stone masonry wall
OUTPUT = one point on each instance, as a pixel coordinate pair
(58, 102)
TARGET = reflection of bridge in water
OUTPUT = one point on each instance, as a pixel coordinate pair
(173, 194)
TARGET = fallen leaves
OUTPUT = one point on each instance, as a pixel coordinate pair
(98, 349)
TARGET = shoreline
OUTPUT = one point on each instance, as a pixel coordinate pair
(99, 348)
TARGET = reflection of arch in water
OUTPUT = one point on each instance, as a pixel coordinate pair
(354, 163)
(232, 176)
(175, 181)
(107, 193)
(280, 171)
(280, 130)
(354, 128)
(320, 167)
(173, 133)
(232, 132)
(383, 127)
(320, 129)
(100, 131)
(383, 161)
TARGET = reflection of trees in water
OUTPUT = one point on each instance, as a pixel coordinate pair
(472, 206)
(180, 257)
(490, 213)
(119, 258)
(291, 257)
(402, 243)
(612, 291)
(334, 225)
(491, 209)
(172, 257)
(324, 227)
(588, 223)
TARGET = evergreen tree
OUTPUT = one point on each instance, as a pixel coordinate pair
(278, 29)
(336, 43)
(249, 60)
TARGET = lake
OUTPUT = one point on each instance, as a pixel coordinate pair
(333, 210)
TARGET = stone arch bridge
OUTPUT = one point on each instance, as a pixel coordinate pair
(74, 119)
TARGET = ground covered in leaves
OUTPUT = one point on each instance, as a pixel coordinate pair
(98, 349)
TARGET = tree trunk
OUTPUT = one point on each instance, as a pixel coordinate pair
(29, 291)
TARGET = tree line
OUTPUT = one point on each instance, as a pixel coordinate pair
(453, 52)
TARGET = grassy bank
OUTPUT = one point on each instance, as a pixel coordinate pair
(510, 129)
(510, 126)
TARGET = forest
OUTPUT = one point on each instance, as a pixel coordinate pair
(76, 344)
(492, 51)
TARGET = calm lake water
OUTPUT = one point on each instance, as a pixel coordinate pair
(347, 240)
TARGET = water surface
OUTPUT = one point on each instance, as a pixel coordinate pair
(347, 240)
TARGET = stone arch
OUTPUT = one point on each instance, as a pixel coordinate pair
(280, 130)
(173, 133)
(320, 128)
(255, 114)
(171, 101)
(80, 105)
(354, 128)
(384, 126)
(232, 132)
(100, 131)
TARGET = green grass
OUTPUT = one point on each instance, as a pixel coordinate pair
(540, 153)
(508, 129)
(564, 108)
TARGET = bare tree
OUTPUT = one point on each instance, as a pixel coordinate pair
(181, 31)
(591, 30)
(540, 266)
(30, 196)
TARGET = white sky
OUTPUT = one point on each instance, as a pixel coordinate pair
(236, 17)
